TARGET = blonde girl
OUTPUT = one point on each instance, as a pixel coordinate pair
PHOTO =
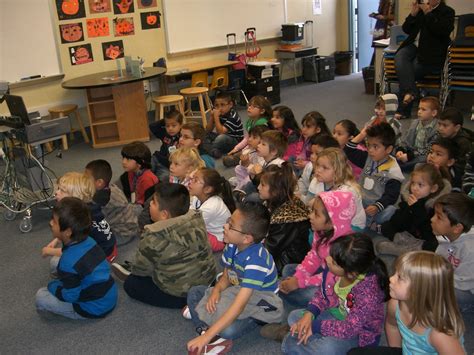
(212, 195)
(423, 316)
(183, 162)
(332, 172)
(81, 186)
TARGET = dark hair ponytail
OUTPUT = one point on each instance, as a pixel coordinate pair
(220, 186)
(355, 253)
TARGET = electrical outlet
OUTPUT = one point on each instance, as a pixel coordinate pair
(146, 87)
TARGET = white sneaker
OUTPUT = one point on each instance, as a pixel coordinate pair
(186, 313)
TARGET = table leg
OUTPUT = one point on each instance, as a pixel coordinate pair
(294, 71)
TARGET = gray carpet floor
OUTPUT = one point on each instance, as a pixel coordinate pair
(132, 327)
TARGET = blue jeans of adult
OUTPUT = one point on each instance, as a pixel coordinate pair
(237, 329)
(297, 298)
(465, 300)
(317, 344)
(46, 301)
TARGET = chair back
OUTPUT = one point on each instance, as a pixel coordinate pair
(465, 26)
(397, 36)
(200, 79)
(220, 78)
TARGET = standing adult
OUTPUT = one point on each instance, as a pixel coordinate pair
(428, 26)
(384, 20)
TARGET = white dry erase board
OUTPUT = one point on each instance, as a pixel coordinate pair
(27, 40)
(197, 24)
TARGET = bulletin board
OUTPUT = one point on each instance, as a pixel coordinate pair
(192, 24)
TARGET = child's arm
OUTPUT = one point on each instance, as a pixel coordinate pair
(394, 338)
(51, 249)
(210, 121)
(240, 145)
(355, 155)
(197, 344)
(220, 128)
(390, 195)
(446, 344)
(148, 248)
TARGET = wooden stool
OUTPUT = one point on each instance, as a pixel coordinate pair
(67, 110)
(161, 102)
(202, 94)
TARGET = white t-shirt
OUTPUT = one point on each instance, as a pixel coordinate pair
(215, 214)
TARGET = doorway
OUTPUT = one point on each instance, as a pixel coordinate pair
(360, 35)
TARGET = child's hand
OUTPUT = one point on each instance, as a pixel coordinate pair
(257, 169)
(216, 114)
(302, 328)
(53, 243)
(213, 300)
(245, 160)
(371, 210)
(289, 284)
(232, 152)
(300, 163)
(47, 251)
(412, 200)
(197, 344)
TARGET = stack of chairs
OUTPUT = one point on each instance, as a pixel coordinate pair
(397, 36)
(458, 72)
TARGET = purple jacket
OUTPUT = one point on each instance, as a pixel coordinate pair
(365, 312)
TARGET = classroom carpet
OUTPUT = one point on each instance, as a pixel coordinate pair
(134, 327)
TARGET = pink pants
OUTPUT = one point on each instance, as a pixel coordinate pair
(216, 244)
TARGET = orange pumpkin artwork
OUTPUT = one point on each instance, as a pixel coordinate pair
(71, 32)
(81, 54)
(112, 50)
(123, 7)
(98, 27)
(150, 20)
(70, 9)
(124, 26)
(99, 6)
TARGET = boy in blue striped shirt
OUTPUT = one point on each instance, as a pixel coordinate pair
(245, 295)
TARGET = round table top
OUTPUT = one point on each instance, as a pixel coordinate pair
(104, 79)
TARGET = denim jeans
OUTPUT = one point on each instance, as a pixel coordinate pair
(465, 301)
(161, 171)
(223, 143)
(297, 298)
(382, 216)
(46, 301)
(317, 344)
(236, 330)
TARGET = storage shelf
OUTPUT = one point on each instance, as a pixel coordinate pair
(104, 120)
(101, 100)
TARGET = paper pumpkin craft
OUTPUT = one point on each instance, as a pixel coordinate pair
(99, 6)
(72, 32)
(112, 50)
(143, 4)
(98, 27)
(123, 7)
(150, 20)
(70, 9)
(81, 54)
(123, 26)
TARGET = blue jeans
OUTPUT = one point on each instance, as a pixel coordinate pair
(161, 171)
(317, 344)
(236, 330)
(46, 301)
(297, 298)
(465, 301)
(382, 216)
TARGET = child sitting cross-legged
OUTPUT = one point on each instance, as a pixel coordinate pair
(283, 120)
(410, 227)
(117, 210)
(385, 111)
(350, 314)
(245, 293)
(84, 287)
(212, 195)
(192, 136)
(74, 184)
(174, 253)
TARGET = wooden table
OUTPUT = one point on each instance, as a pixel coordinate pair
(116, 106)
(174, 73)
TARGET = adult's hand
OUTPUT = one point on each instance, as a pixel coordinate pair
(425, 8)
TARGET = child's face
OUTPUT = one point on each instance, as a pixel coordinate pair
(254, 112)
(399, 287)
(341, 135)
(61, 192)
(439, 157)
(309, 130)
(196, 185)
(317, 217)
(63, 236)
(425, 112)
(376, 150)
(324, 171)
(420, 187)
(334, 267)
(440, 223)
(130, 165)
(179, 169)
(233, 229)
(254, 141)
(172, 127)
(315, 150)
(187, 139)
(264, 190)
(447, 129)
(263, 150)
(277, 121)
(223, 106)
(380, 111)
(155, 213)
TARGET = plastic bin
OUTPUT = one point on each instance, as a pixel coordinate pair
(343, 62)
(368, 73)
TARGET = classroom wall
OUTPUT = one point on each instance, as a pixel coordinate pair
(330, 34)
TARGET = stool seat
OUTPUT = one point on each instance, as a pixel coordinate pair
(63, 109)
(194, 90)
(167, 99)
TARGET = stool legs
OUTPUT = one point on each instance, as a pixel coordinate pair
(81, 126)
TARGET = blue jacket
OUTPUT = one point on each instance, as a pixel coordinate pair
(84, 280)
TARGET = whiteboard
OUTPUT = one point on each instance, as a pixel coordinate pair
(462, 7)
(196, 24)
(27, 40)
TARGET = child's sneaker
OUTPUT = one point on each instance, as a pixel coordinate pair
(216, 346)
(122, 271)
(186, 313)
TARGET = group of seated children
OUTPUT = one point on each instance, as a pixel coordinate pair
(297, 240)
